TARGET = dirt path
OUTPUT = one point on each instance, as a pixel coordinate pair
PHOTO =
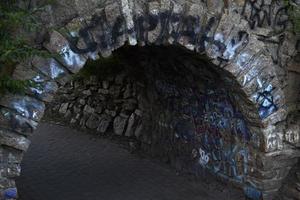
(63, 164)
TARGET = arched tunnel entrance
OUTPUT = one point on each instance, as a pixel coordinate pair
(169, 103)
(234, 113)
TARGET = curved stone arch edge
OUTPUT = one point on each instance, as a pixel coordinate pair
(13, 105)
(73, 62)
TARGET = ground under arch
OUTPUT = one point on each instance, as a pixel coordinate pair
(175, 105)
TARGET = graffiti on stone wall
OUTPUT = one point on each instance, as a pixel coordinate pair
(271, 14)
(265, 99)
(261, 13)
(177, 27)
(209, 121)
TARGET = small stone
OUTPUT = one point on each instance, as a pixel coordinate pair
(138, 112)
(76, 110)
(138, 130)
(124, 115)
(120, 124)
(111, 112)
(77, 85)
(93, 80)
(56, 108)
(104, 123)
(88, 109)
(87, 92)
(82, 101)
(82, 121)
(128, 92)
(63, 108)
(94, 89)
(115, 91)
(92, 122)
(99, 109)
(103, 91)
(129, 105)
(105, 84)
(101, 97)
(130, 127)
(68, 114)
(120, 78)
(77, 116)
(73, 121)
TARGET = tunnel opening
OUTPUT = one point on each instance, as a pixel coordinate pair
(248, 64)
(170, 103)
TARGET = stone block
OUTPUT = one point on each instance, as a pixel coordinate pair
(93, 122)
(10, 170)
(88, 109)
(14, 122)
(119, 125)
(131, 126)
(105, 121)
(115, 19)
(52, 69)
(26, 106)
(14, 140)
(60, 45)
(63, 108)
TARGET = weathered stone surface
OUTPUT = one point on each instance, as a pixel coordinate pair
(89, 110)
(26, 106)
(51, 68)
(25, 72)
(105, 121)
(93, 122)
(13, 140)
(14, 122)
(63, 108)
(82, 101)
(10, 170)
(130, 127)
(113, 15)
(112, 113)
(43, 87)
(8, 187)
(120, 123)
(103, 91)
(105, 85)
(87, 92)
(128, 92)
(44, 91)
(58, 44)
(246, 40)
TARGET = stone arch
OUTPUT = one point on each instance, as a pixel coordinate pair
(232, 34)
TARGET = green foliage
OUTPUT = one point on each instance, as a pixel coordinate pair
(7, 84)
(294, 15)
(15, 23)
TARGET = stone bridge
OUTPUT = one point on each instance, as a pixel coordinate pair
(245, 42)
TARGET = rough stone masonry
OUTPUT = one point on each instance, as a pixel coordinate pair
(247, 43)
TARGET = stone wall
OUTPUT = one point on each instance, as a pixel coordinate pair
(103, 106)
(176, 106)
(291, 186)
(246, 40)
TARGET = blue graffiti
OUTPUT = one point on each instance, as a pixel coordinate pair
(10, 193)
(266, 103)
(210, 120)
(252, 193)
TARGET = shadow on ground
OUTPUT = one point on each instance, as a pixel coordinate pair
(64, 164)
